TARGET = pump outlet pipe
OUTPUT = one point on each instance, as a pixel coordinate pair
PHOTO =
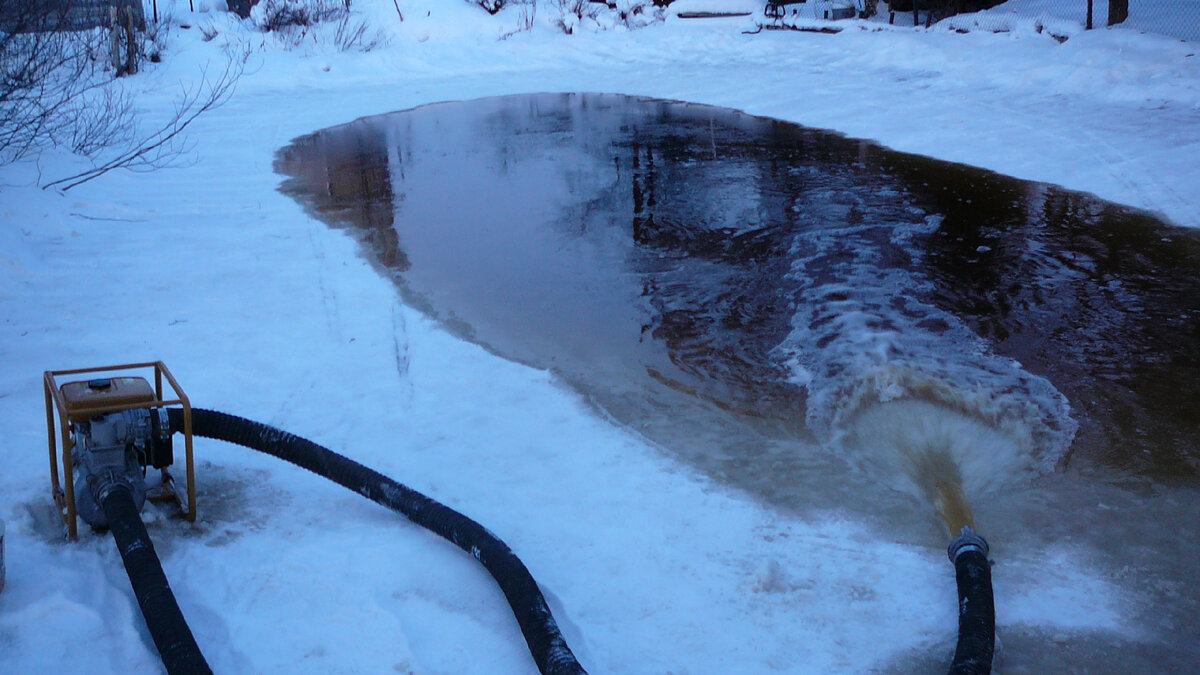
(168, 628)
(546, 643)
(976, 609)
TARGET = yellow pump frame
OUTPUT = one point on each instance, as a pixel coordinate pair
(64, 499)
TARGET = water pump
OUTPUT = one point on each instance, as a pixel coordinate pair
(114, 430)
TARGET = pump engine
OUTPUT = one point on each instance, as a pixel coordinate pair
(116, 449)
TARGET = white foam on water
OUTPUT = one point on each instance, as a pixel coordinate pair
(896, 383)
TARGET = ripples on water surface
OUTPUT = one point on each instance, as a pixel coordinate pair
(822, 322)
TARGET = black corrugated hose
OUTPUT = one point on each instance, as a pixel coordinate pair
(546, 643)
(976, 609)
(170, 631)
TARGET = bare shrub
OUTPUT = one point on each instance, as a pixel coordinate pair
(57, 90)
(637, 14)
(208, 32)
(154, 38)
(287, 15)
(572, 12)
(166, 146)
(294, 20)
(525, 18)
(355, 35)
(52, 83)
(103, 120)
(490, 6)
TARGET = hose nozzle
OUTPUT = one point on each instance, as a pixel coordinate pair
(967, 540)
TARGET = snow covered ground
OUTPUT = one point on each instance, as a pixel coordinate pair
(262, 311)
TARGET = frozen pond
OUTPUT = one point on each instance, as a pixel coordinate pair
(820, 322)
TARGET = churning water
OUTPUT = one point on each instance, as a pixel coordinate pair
(817, 320)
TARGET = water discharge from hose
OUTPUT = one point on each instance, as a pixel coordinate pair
(938, 455)
(953, 506)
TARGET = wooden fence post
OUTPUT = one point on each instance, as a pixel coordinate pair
(115, 39)
(131, 50)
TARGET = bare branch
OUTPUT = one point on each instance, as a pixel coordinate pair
(49, 81)
(159, 149)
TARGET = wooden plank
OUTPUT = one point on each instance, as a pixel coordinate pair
(710, 15)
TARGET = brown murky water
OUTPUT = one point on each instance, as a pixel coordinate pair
(819, 321)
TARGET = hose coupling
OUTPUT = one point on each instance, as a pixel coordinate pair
(109, 479)
(968, 540)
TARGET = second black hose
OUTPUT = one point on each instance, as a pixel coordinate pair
(546, 643)
(168, 628)
(976, 605)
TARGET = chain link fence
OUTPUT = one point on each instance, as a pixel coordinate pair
(1178, 19)
(66, 15)
(1172, 18)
